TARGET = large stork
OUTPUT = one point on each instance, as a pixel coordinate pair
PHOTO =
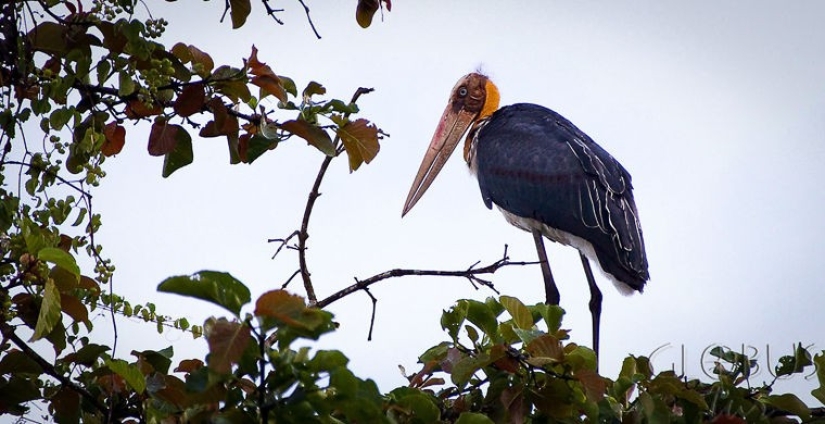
(548, 178)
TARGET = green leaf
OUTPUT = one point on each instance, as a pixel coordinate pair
(473, 418)
(130, 372)
(479, 314)
(60, 117)
(819, 392)
(421, 408)
(160, 359)
(49, 37)
(126, 85)
(521, 315)
(219, 288)
(258, 145)
(17, 362)
(103, 69)
(16, 391)
(289, 85)
(313, 88)
(435, 353)
(451, 320)
(795, 363)
(360, 140)
(181, 155)
(240, 10)
(552, 315)
(50, 312)
(327, 360)
(61, 258)
(464, 369)
(227, 342)
(87, 355)
(789, 402)
(339, 106)
(582, 358)
(314, 135)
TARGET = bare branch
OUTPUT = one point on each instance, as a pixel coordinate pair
(288, 280)
(227, 6)
(271, 12)
(472, 273)
(372, 318)
(303, 234)
(283, 241)
(312, 25)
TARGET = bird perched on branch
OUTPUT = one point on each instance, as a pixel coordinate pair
(548, 178)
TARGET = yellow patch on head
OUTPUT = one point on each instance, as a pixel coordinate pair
(491, 100)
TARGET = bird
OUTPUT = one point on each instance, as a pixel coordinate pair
(547, 177)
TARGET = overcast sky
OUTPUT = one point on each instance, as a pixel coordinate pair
(717, 109)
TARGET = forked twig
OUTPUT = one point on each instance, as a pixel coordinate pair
(472, 274)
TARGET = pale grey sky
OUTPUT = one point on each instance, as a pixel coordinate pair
(717, 109)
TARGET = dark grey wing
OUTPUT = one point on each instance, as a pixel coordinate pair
(534, 163)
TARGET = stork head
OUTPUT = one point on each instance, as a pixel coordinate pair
(474, 98)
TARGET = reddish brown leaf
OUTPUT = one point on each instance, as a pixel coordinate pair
(189, 365)
(203, 59)
(191, 100)
(181, 51)
(243, 147)
(221, 113)
(227, 341)
(288, 309)
(66, 405)
(544, 349)
(594, 384)
(504, 362)
(74, 308)
(115, 139)
(137, 109)
(257, 67)
(281, 305)
(209, 130)
(112, 383)
(88, 284)
(513, 400)
(360, 140)
(173, 392)
(270, 84)
(312, 134)
(162, 138)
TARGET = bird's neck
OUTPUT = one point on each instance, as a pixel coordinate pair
(471, 140)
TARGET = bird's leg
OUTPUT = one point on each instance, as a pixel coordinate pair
(595, 302)
(550, 289)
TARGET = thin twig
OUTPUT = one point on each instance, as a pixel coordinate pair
(227, 6)
(471, 274)
(52, 174)
(297, 271)
(312, 25)
(372, 318)
(271, 12)
(283, 241)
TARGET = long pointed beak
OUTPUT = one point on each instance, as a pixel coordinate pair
(451, 127)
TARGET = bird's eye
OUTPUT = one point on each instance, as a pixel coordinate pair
(462, 91)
